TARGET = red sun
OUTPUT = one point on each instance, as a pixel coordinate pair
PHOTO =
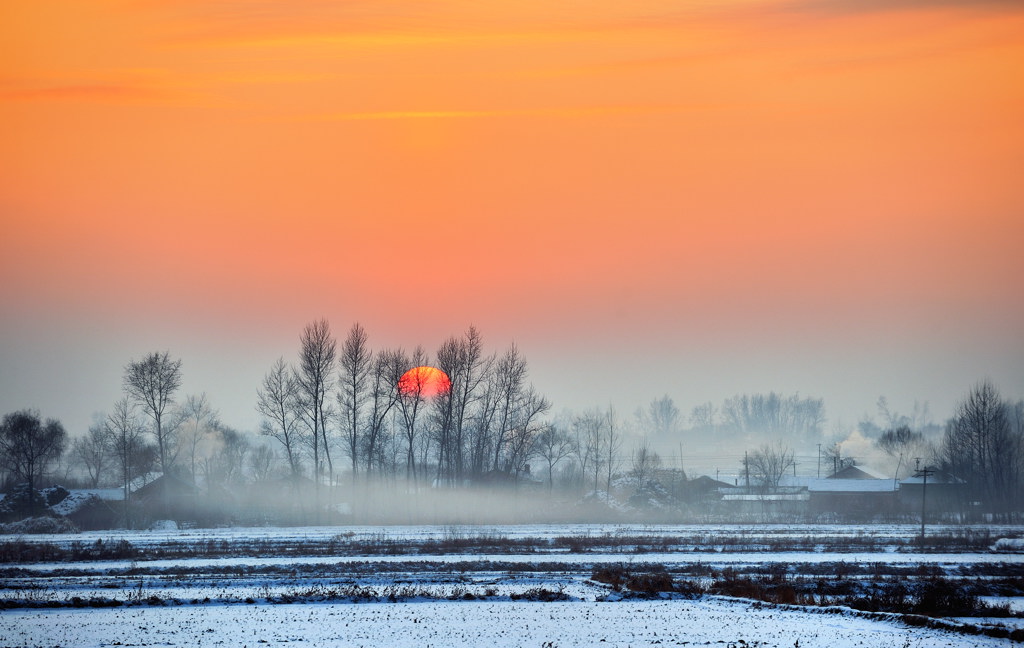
(424, 381)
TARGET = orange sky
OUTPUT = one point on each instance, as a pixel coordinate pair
(700, 198)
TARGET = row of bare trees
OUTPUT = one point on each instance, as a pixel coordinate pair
(344, 401)
(983, 445)
(149, 432)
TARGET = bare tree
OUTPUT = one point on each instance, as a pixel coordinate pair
(612, 448)
(588, 430)
(28, 445)
(769, 463)
(152, 382)
(355, 365)
(790, 418)
(94, 452)
(199, 422)
(225, 465)
(553, 445)
(277, 402)
(662, 417)
(125, 433)
(702, 417)
(316, 364)
(526, 424)
(388, 367)
(982, 446)
(510, 379)
(463, 361)
(900, 442)
(412, 398)
(644, 462)
(263, 463)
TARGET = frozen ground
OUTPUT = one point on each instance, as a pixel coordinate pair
(453, 624)
(707, 532)
(529, 585)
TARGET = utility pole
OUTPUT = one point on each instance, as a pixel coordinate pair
(819, 461)
(923, 473)
(746, 470)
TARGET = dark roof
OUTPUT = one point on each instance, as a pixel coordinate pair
(855, 472)
(172, 485)
(705, 483)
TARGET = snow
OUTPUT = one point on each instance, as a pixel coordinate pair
(455, 624)
(542, 531)
(74, 501)
(206, 601)
(1009, 544)
(716, 560)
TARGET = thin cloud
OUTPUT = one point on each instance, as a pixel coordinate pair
(84, 91)
(570, 112)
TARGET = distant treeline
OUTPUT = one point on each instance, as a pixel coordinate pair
(336, 417)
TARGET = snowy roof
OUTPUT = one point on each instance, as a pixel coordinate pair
(765, 497)
(832, 485)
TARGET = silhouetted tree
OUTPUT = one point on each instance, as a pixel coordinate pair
(410, 403)
(661, 418)
(644, 462)
(463, 361)
(276, 400)
(199, 422)
(355, 365)
(28, 445)
(226, 465)
(388, 367)
(769, 463)
(526, 424)
(983, 447)
(588, 430)
(900, 442)
(612, 448)
(702, 417)
(790, 418)
(151, 382)
(94, 452)
(125, 433)
(316, 364)
(263, 463)
(553, 445)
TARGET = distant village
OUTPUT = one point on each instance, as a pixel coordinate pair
(854, 494)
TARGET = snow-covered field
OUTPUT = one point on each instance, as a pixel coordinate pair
(711, 622)
(530, 585)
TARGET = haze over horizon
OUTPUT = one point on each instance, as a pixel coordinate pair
(698, 199)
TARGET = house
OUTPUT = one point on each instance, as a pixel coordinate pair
(167, 497)
(943, 493)
(854, 493)
(765, 504)
(853, 498)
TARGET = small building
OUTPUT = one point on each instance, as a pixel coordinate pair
(943, 493)
(855, 498)
(167, 497)
(766, 504)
